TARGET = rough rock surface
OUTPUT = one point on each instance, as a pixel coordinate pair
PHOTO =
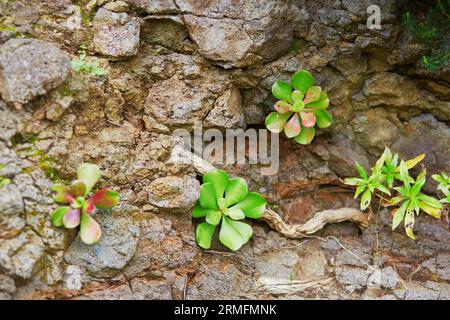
(116, 34)
(111, 254)
(175, 63)
(29, 67)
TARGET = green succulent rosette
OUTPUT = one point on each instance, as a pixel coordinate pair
(226, 202)
(78, 210)
(301, 106)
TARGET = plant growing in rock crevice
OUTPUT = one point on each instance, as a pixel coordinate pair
(84, 65)
(3, 181)
(410, 199)
(300, 107)
(79, 212)
(228, 201)
(444, 185)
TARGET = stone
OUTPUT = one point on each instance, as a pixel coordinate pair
(116, 6)
(173, 193)
(342, 154)
(227, 112)
(11, 202)
(386, 278)
(155, 6)
(73, 277)
(114, 250)
(278, 264)
(20, 255)
(220, 279)
(116, 35)
(242, 35)
(7, 284)
(8, 125)
(424, 134)
(375, 129)
(30, 67)
(352, 278)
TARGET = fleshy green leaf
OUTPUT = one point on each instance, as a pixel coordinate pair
(234, 234)
(430, 201)
(77, 188)
(302, 80)
(361, 170)
(253, 205)
(58, 215)
(105, 199)
(432, 211)
(324, 119)
(366, 199)
(399, 215)
(236, 191)
(204, 234)
(383, 189)
(409, 224)
(305, 136)
(413, 162)
(308, 119)
(219, 180)
(297, 96)
(404, 175)
(213, 217)
(282, 106)
(236, 214)
(62, 194)
(292, 127)
(72, 218)
(90, 231)
(313, 94)
(281, 90)
(275, 121)
(198, 211)
(353, 181)
(207, 197)
(322, 103)
(89, 174)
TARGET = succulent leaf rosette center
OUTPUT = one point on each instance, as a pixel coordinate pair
(300, 106)
(228, 201)
(79, 210)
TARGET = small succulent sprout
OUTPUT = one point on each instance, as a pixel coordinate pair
(366, 185)
(78, 210)
(390, 170)
(411, 200)
(300, 108)
(444, 182)
(226, 201)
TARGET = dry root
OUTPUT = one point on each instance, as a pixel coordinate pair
(296, 231)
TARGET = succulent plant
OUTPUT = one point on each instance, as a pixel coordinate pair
(79, 210)
(226, 200)
(444, 182)
(366, 185)
(412, 200)
(300, 107)
(409, 200)
(3, 181)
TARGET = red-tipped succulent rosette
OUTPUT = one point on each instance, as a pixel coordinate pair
(300, 107)
(78, 211)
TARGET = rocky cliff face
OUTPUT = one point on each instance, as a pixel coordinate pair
(170, 63)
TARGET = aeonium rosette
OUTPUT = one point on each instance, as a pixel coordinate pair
(300, 107)
(79, 210)
(225, 201)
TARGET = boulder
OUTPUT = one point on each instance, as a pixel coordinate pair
(173, 193)
(30, 67)
(116, 35)
(111, 254)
